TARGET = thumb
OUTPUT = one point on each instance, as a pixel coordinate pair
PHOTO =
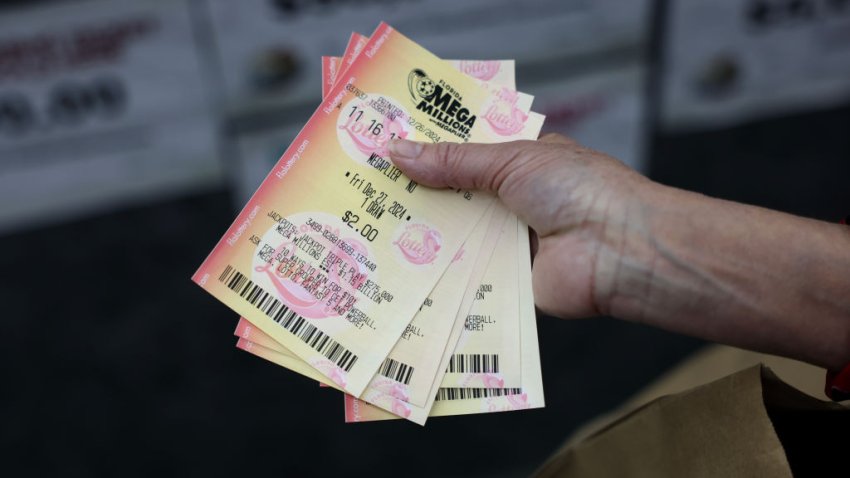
(468, 166)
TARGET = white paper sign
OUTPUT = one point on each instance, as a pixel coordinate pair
(728, 61)
(101, 103)
(269, 52)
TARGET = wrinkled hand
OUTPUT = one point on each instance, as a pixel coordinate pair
(612, 242)
(575, 199)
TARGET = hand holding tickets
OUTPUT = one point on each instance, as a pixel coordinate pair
(347, 272)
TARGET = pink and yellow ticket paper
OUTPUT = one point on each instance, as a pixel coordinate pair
(408, 379)
(449, 400)
(384, 395)
(322, 256)
(395, 392)
(471, 400)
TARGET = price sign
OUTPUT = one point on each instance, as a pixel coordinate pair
(269, 51)
(736, 60)
(67, 104)
(100, 104)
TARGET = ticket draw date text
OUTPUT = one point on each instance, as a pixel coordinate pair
(375, 202)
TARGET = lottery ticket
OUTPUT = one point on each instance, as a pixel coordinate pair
(489, 345)
(321, 256)
(448, 400)
(498, 72)
(355, 46)
(332, 65)
(412, 367)
(410, 371)
(388, 396)
(488, 351)
(425, 340)
(496, 76)
(393, 381)
(463, 401)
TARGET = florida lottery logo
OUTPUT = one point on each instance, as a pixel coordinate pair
(484, 70)
(417, 244)
(442, 103)
(503, 114)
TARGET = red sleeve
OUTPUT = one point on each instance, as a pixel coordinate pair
(838, 383)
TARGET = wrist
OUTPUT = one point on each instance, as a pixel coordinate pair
(626, 256)
(653, 274)
(735, 274)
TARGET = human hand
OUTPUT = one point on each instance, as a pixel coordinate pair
(612, 242)
(576, 200)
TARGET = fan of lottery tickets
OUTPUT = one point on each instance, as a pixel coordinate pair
(414, 302)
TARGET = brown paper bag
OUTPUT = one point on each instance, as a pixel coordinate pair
(746, 424)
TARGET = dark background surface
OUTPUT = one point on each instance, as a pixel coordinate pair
(126, 367)
(114, 363)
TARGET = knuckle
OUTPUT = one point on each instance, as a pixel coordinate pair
(446, 159)
(508, 159)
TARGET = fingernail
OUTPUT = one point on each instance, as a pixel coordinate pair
(404, 149)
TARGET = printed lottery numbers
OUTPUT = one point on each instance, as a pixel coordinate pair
(374, 127)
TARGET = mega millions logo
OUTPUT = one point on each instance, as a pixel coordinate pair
(442, 103)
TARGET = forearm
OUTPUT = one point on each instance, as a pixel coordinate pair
(735, 274)
(612, 242)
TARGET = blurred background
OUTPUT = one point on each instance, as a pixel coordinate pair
(131, 132)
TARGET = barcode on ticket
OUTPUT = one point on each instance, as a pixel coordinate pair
(294, 323)
(396, 370)
(467, 393)
(473, 363)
